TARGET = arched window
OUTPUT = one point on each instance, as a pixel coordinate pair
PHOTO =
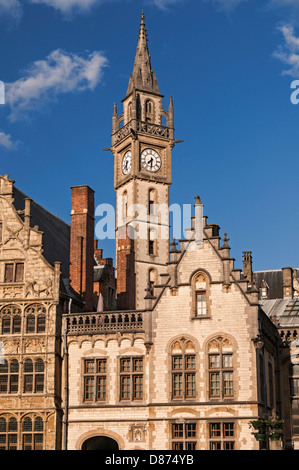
(130, 111)
(8, 433)
(183, 370)
(35, 319)
(9, 376)
(149, 111)
(11, 320)
(32, 433)
(200, 286)
(152, 242)
(220, 367)
(125, 206)
(33, 376)
(152, 201)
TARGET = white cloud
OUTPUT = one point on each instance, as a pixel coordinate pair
(67, 6)
(7, 142)
(11, 7)
(45, 79)
(288, 53)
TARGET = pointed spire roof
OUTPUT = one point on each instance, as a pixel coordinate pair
(143, 78)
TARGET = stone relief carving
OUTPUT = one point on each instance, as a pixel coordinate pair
(35, 290)
(13, 235)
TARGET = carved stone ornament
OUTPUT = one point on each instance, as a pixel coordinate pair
(137, 433)
(35, 290)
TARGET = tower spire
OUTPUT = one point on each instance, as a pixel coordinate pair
(143, 78)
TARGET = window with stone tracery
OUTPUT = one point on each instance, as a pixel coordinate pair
(183, 370)
(11, 320)
(9, 376)
(8, 433)
(35, 319)
(220, 368)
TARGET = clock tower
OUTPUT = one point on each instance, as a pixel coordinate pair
(142, 143)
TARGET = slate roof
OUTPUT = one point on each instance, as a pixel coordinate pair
(274, 281)
(56, 232)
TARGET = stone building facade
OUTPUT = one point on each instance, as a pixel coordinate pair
(179, 352)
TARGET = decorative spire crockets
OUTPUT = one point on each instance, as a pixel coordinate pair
(143, 78)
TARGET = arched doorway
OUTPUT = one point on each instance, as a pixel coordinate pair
(100, 443)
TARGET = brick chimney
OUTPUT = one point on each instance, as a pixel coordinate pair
(125, 270)
(82, 244)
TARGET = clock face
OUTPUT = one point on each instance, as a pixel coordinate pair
(151, 160)
(127, 162)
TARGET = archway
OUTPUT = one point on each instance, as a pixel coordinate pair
(100, 443)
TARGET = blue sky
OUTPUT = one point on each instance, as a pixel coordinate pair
(228, 64)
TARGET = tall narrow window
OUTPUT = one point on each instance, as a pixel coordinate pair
(8, 433)
(9, 376)
(1, 232)
(151, 201)
(9, 270)
(152, 242)
(34, 376)
(220, 365)
(131, 378)
(183, 376)
(33, 434)
(200, 288)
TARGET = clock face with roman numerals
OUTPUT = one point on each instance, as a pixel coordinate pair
(127, 162)
(150, 160)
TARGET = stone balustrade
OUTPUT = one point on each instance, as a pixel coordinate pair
(106, 322)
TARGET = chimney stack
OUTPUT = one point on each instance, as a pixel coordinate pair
(247, 266)
(82, 244)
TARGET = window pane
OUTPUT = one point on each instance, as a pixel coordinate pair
(16, 324)
(190, 362)
(214, 384)
(215, 430)
(8, 276)
(177, 431)
(30, 324)
(227, 360)
(228, 429)
(190, 385)
(14, 383)
(28, 383)
(41, 323)
(88, 388)
(138, 387)
(101, 388)
(39, 365)
(125, 387)
(177, 385)
(19, 272)
(2, 425)
(201, 303)
(28, 366)
(3, 383)
(125, 365)
(227, 383)
(12, 425)
(39, 383)
(138, 365)
(38, 424)
(190, 430)
(102, 365)
(6, 322)
(214, 361)
(89, 367)
(177, 362)
(27, 425)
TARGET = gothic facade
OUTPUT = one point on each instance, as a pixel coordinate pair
(179, 350)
